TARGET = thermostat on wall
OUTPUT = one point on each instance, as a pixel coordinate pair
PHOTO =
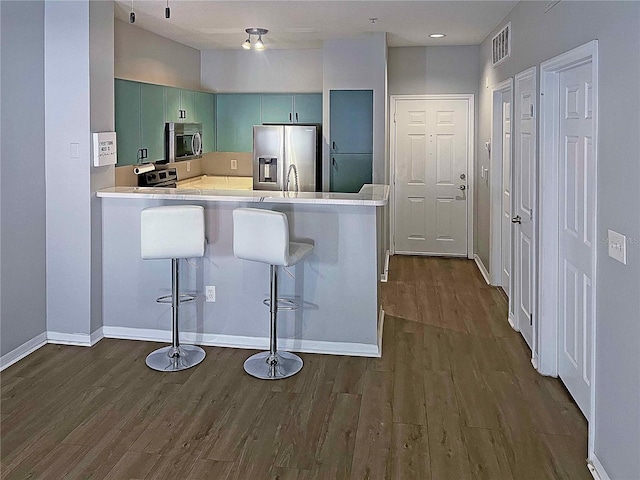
(104, 149)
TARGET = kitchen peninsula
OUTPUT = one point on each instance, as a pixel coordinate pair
(337, 288)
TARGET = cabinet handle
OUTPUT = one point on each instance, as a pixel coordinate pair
(333, 161)
(296, 117)
(290, 117)
(333, 145)
(140, 154)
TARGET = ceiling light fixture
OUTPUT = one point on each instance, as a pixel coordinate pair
(167, 11)
(132, 15)
(437, 35)
(259, 45)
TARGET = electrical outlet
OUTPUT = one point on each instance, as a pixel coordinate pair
(210, 292)
(234, 164)
(618, 246)
(188, 166)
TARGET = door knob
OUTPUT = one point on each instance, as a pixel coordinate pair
(462, 176)
(463, 187)
(516, 219)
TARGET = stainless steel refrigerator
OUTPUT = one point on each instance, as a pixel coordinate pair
(287, 158)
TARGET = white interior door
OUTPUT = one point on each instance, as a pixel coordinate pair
(576, 205)
(430, 193)
(524, 199)
(506, 194)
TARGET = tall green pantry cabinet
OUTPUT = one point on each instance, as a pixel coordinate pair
(351, 139)
(139, 109)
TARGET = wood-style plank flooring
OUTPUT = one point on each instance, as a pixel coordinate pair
(454, 397)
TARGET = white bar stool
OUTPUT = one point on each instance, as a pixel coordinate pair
(263, 236)
(173, 232)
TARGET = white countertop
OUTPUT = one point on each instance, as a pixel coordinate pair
(369, 195)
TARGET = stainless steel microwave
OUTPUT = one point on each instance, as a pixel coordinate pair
(183, 141)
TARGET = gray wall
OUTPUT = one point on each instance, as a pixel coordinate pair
(67, 105)
(359, 64)
(433, 70)
(102, 103)
(146, 57)
(22, 189)
(537, 37)
(267, 71)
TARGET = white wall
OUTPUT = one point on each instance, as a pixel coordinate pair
(146, 57)
(433, 70)
(538, 36)
(22, 174)
(250, 71)
(358, 64)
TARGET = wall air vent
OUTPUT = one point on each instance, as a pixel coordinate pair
(501, 45)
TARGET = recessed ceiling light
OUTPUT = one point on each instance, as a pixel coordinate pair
(437, 35)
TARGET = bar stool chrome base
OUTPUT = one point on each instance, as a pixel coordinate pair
(286, 365)
(174, 359)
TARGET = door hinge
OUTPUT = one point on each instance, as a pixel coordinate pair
(394, 118)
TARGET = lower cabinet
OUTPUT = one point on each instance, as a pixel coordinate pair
(350, 171)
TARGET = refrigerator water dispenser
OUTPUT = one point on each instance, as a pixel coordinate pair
(268, 169)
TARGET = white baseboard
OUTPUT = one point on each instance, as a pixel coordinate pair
(237, 341)
(23, 350)
(597, 470)
(96, 336)
(482, 269)
(512, 322)
(78, 339)
(385, 275)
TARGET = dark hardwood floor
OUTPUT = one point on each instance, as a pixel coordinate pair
(454, 397)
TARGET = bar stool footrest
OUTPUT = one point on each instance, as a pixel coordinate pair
(283, 304)
(183, 298)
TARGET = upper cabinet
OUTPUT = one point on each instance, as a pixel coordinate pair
(139, 122)
(291, 108)
(204, 113)
(351, 121)
(179, 105)
(236, 114)
(307, 107)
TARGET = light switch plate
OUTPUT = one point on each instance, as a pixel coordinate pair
(617, 246)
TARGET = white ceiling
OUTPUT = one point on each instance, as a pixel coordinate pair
(216, 24)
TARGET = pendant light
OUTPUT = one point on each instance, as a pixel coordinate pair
(259, 45)
(132, 15)
(247, 43)
(167, 11)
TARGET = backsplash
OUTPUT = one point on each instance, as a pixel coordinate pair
(214, 163)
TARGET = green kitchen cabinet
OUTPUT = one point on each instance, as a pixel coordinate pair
(277, 108)
(351, 121)
(127, 110)
(291, 108)
(307, 107)
(139, 122)
(350, 171)
(179, 105)
(204, 113)
(236, 114)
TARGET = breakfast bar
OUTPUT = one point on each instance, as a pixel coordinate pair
(337, 287)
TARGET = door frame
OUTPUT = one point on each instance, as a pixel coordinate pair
(495, 178)
(548, 281)
(470, 98)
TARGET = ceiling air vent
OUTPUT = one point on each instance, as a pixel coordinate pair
(501, 44)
